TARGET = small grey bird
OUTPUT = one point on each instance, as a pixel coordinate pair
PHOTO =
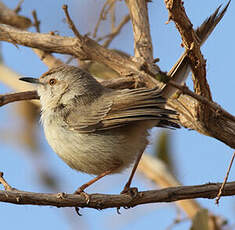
(94, 129)
(101, 131)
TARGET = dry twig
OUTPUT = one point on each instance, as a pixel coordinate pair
(225, 181)
(18, 7)
(70, 23)
(103, 15)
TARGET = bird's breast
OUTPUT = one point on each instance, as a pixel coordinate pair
(96, 152)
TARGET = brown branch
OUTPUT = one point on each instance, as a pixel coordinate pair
(71, 24)
(113, 16)
(197, 62)
(18, 7)
(140, 21)
(192, 45)
(8, 98)
(10, 17)
(103, 201)
(36, 21)
(86, 49)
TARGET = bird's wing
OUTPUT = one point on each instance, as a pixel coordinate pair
(119, 108)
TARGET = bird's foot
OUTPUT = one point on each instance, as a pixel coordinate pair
(81, 192)
(133, 192)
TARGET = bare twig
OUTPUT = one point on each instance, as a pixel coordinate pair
(113, 17)
(101, 17)
(103, 201)
(225, 181)
(70, 23)
(18, 7)
(84, 49)
(103, 14)
(36, 21)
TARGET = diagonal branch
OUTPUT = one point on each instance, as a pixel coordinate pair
(197, 62)
(192, 45)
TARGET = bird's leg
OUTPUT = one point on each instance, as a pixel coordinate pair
(84, 186)
(128, 184)
(81, 189)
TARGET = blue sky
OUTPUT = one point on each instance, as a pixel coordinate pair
(199, 159)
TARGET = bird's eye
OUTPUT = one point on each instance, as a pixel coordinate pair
(52, 81)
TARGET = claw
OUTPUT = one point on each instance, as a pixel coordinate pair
(118, 211)
(77, 211)
(79, 191)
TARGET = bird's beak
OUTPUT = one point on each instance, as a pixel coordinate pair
(30, 80)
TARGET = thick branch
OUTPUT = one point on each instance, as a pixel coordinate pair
(140, 22)
(87, 49)
(103, 201)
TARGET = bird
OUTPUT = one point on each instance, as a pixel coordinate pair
(94, 129)
(102, 131)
